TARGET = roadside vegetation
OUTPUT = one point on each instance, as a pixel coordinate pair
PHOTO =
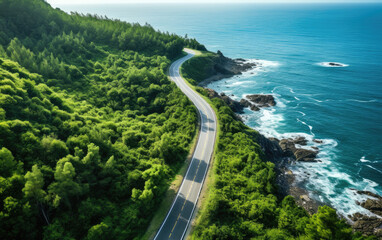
(92, 132)
(241, 201)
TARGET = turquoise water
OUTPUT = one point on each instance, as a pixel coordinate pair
(342, 106)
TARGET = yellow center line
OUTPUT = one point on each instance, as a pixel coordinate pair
(193, 180)
(188, 194)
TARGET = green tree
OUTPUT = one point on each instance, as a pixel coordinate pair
(34, 184)
(7, 163)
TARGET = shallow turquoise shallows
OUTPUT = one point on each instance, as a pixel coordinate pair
(292, 45)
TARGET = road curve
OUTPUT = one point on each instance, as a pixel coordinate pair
(178, 218)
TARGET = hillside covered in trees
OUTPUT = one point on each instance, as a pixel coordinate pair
(91, 130)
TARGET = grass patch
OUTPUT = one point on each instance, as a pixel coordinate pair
(200, 67)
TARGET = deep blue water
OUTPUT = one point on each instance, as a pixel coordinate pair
(342, 106)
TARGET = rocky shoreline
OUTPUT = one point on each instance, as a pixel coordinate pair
(226, 67)
(284, 152)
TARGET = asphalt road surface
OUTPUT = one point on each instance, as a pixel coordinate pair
(178, 218)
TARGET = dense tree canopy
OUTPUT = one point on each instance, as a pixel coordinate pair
(92, 131)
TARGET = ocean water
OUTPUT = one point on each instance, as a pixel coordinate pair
(292, 44)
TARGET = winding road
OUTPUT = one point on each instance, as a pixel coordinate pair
(178, 218)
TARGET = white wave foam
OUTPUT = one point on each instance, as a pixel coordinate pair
(333, 64)
(325, 180)
(302, 113)
(309, 126)
(363, 159)
(329, 184)
(297, 98)
(263, 63)
(280, 102)
(238, 83)
(361, 101)
(374, 168)
(261, 66)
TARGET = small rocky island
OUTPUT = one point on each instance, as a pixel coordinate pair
(254, 102)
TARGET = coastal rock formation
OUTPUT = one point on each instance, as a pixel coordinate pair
(225, 67)
(300, 141)
(262, 100)
(304, 155)
(368, 225)
(335, 64)
(245, 103)
(271, 148)
(234, 105)
(257, 101)
(238, 107)
(289, 149)
(232, 66)
(367, 193)
(373, 205)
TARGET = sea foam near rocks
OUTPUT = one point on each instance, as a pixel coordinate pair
(325, 180)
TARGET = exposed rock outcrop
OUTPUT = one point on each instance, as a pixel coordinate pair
(271, 148)
(373, 205)
(234, 105)
(368, 225)
(261, 100)
(289, 149)
(225, 67)
(333, 64)
(304, 155)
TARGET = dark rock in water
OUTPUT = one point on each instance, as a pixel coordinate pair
(300, 141)
(304, 155)
(255, 108)
(335, 64)
(234, 105)
(245, 103)
(262, 100)
(317, 141)
(258, 101)
(270, 147)
(374, 206)
(367, 193)
(368, 225)
(212, 93)
(288, 147)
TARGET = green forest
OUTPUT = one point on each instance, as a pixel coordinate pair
(92, 131)
(242, 201)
